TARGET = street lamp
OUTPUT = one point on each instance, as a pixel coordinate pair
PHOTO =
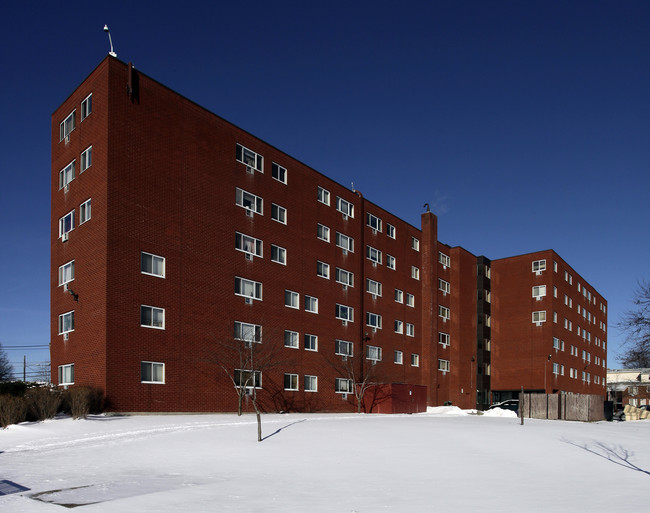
(545, 372)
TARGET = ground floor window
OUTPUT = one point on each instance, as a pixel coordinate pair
(152, 372)
(66, 374)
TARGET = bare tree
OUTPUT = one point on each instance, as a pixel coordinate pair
(6, 370)
(636, 323)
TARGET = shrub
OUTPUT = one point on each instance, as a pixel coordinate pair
(42, 402)
(12, 410)
(16, 388)
(80, 401)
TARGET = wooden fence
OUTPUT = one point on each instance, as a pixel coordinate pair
(583, 407)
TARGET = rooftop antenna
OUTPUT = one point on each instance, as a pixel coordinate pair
(111, 53)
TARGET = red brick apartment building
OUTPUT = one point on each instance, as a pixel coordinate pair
(175, 232)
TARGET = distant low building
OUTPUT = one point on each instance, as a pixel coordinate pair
(628, 386)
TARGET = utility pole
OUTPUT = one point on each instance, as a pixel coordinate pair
(24, 368)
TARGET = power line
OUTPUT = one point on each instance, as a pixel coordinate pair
(38, 346)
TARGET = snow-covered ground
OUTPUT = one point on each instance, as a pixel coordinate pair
(443, 460)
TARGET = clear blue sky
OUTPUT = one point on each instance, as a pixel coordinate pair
(525, 124)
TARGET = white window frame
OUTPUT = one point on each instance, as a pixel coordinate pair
(311, 304)
(373, 353)
(343, 386)
(390, 230)
(154, 311)
(145, 258)
(415, 272)
(278, 213)
(373, 254)
(66, 374)
(68, 125)
(373, 288)
(344, 313)
(390, 262)
(415, 243)
(291, 299)
(323, 196)
(292, 384)
(344, 277)
(310, 383)
(86, 159)
(87, 106)
(539, 291)
(66, 322)
(243, 330)
(291, 339)
(85, 211)
(373, 222)
(249, 158)
(556, 368)
(250, 376)
(322, 269)
(152, 366)
(399, 296)
(444, 339)
(67, 174)
(539, 265)
(249, 245)
(410, 329)
(444, 312)
(248, 201)
(345, 242)
(279, 173)
(242, 283)
(539, 316)
(278, 254)
(323, 232)
(443, 365)
(66, 273)
(444, 286)
(310, 342)
(373, 320)
(345, 207)
(398, 357)
(343, 348)
(410, 300)
(398, 326)
(444, 260)
(415, 360)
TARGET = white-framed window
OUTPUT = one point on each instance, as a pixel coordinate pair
(556, 368)
(373, 222)
(278, 213)
(323, 270)
(343, 386)
(373, 320)
(444, 259)
(554, 266)
(291, 381)
(554, 291)
(249, 201)
(415, 360)
(86, 106)
(443, 365)
(253, 160)
(248, 288)
(311, 304)
(66, 224)
(67, 125)
(345, 313)
(390, 261)
(279, 173)
(345, 207)
(84, 211)
(399, 296)
(66, 374)
(153, 265)
(66, 175)
(291, 339)
(398, 357)
(311, 383)
(152, 317)
(323, 232)
(291, 299)
(311, 342)
(343, 348)
(410, 300)
(444, 286)
(86, 159)
(247, 244)
(374, 255)
(248, 332)
(245, 378)
(539, 291)
(539, 316)
(443, 339)
(344, 277)
(390, 230)
(373, 353)
(344, 242)
(152, 372)
(66, 273)
(539, 266)
(415, 273)
(444, 312)
(373, 287)
(323, 196)
(415, 244)
(278, 254)
(66, 322)
(410, 330)
(556, 343)
(399, 326)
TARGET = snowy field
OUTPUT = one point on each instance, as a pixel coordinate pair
(444, 460)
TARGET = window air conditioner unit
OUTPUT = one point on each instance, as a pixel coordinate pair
(538, 273)
(344, 397)
(539, 298)
(345, 217)
(374, 329)
(538, 324)
(65, 287)
(67, 187)
(249, 300)
(67, 138)
(345, 287)
(374, 264)
(66, 336)
(249, 256)
(444, 267)
(344, 323)
(444, 294)
(249, 212)
(250, 169)
(64, 237)
(345, 251)
(374, 232)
